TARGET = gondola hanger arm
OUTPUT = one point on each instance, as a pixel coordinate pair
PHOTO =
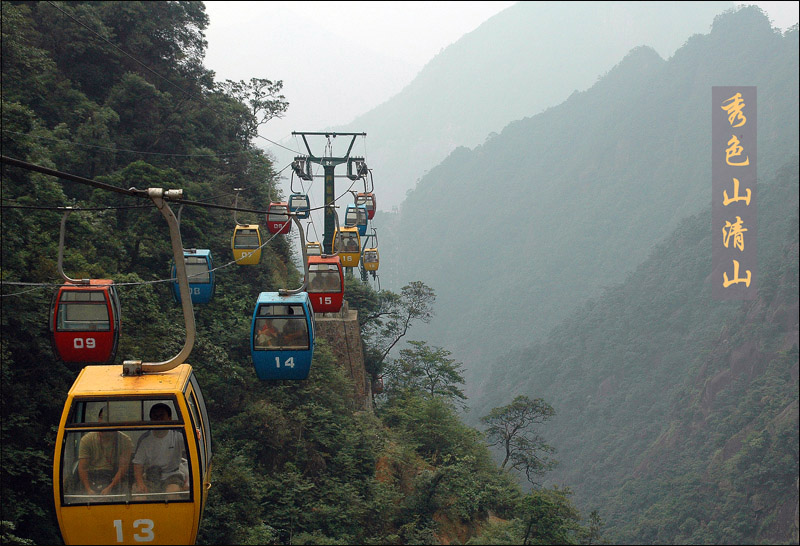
(137, 367)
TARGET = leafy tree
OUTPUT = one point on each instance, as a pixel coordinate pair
(593, 533)
(263, 98)
(427, 369)
(512, 427)
(549, 517)
(390, 316)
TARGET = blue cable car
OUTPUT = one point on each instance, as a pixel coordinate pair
(201, 277)
(356, 215)
(282, 336)
(299, 204)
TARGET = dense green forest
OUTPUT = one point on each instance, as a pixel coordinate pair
(117, 92)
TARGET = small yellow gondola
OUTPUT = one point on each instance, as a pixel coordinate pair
(106, 420)
(347, 243)
(246, 244)
(370, 259)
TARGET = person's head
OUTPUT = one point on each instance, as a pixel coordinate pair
(101, 418)
(160, 412)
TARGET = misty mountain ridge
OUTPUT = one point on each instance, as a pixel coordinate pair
(676, 414)
(528, 57)
(541, 216)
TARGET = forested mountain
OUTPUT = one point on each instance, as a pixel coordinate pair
(518, 231)
(117, 92)
(677, 414)
(523, 60)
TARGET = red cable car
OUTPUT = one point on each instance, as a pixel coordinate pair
(278, 218)
(325, 283)
(85, 321)
(368, 200)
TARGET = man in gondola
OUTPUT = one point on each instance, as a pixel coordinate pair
(294, 332)
(103, 460)
(159, 463)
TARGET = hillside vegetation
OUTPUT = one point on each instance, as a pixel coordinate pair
(572, 251)
(117, 92)
(675, 413)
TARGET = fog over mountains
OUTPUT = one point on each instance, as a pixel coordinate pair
(527, 58)
(514, 232)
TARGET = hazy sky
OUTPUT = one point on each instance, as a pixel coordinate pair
(338, 60)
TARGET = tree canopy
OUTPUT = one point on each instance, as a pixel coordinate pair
(513, 429)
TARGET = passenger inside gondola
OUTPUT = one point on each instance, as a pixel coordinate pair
(103, 460)
(266, 333)
(294, 333)
(159, 465)
(286, 329)
(325, 280)
(98, 466)
(347, 241)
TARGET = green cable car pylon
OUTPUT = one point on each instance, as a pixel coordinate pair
(329, 164)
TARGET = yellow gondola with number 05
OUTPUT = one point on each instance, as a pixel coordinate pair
(246, 244)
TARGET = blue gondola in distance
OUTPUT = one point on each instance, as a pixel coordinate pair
(199, 266)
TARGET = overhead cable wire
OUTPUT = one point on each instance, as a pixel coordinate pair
(19, 293)
(78, 208)
(131, 192)
(74, 208)
(71, 177)
(277, 144)
(157, 281)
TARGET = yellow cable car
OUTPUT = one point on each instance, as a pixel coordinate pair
(112, 484)
(347, 243)
(370, 259)
(246, 244)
